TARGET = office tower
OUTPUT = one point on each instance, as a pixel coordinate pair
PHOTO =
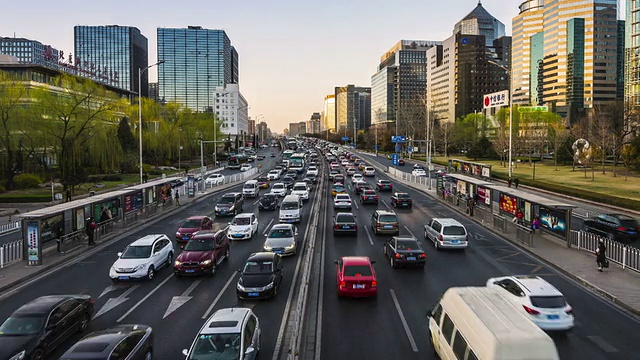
(232, 109)
(153, 91)
(196, 62)
(353, 108)
(526, 24)
(114, 51)
(329, 118)
(313, 124)
(480, 22)
(632, 54)
(297, 128)
(30, 51)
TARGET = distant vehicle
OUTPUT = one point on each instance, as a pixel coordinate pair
(203, 254)
(342, 202)
(616, 227)
(261, 276)
(385, 221)
(401, 162)
(369, 171)
(268, 201)
(142, 258)
(384, 185)
(263, 182)
(235, 162)
(312, 170)
(297, 163)
(361, 186)
(369, 196)
(418, 172)
(338, 188)
(282, 239)
(214, 179)
(345, 223)
(404, 251)
(245, 167)
(301, 189)
(446, 233)
(273, 175)
(356, 277)
(243, 226)
(229, 204)
(401, 199)
(191, 226)
(356, 177)
(292, 145)
(137, 340)
(338, 178)
(279, 189)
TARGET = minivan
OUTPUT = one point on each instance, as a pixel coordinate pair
(471, 323)
(291, 209)
(385, 222)
(446, 233)
(251, 188)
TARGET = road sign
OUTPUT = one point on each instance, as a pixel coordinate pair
(497, 99)
(375, 147)
(398, 139)
(345, 139)
(398, 148)
(528, 109)
(394, 159)
(409, 149)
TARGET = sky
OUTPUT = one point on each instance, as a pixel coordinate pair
(291, 53)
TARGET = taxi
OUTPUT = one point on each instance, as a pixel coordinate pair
(338, 188)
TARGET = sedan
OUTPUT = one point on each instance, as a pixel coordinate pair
(203, 254)
(282, 240)
(273, 175)
(333, 173)
(279, 189)
(142, 258)
(356, 277)
(345, 223)
(368, 197)
(342, 202)
(263, 182)
(361, 186)
(401, 199)
(268, 202)
(93, 346)
(338, 178)
(338, 189)
(384, 185)
(245, 167)
(214, 179)
(288, 181)
(357, 177)
(418, 172)
(242, 227)
(403, 250)
(351, 171)
(260, 277)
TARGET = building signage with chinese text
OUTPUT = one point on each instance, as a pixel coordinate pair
(497, 99)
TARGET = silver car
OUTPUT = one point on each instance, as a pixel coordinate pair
(282, 240)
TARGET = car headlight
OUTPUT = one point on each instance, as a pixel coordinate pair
(18, 356)
(138, 267)
(232, 207)
(177, 263)
(269, 286)
(268, 248)
(206, 262)
(240, 287)
(246, 231)
(178, 234)
(290, 247)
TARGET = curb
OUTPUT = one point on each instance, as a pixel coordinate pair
(98, 248)
(605, 294)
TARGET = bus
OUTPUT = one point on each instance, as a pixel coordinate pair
(296, 162)
(286, 155)
(236, 161)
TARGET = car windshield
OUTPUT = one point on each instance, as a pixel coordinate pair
(216, 347)
(262, 179)
(300, 188)
(255, 267)
(357, 270)
(383, 182)
(407, 244)
(268, 198)
(630, 223)
(289, 206)
(278, 186)
(453, 230)
(199, 245)
(136, 252)
(388, 218)
(241, 221)
(403, 196)
(227, 200)
(191, 224)
(345, 218)
(548, 302)
(19, 325)
(369, 192)
(280, 233)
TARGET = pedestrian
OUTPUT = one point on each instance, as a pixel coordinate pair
(509, 182)
(601, 256)
(68, 194)
(516, 182)
(535, 225)
(109, 213)
(178, 198)
(519, 216)
(90, 228)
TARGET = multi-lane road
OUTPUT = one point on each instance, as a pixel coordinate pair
(394, 325)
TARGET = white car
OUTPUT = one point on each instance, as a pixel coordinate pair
(369, 171)
(536, 298)
(342, 202)
(312, 171)
(282, 239)
(142, 258)
(214, 179)
(301, 189)
(419, 172)
(245, 167)
(356, 177)
(345, 162)
(242, 227)
(273, 175)
(279, 189)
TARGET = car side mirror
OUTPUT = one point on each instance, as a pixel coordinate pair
(185, 352)
(119, 254)
(373, 262)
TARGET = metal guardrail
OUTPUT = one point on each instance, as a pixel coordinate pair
(627, 256)
(72, 241)
(130, 218)
(10, 226)
(10, 252)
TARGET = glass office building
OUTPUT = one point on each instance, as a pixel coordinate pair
(481, 22)
(114, 52)
(29, 51)
(196, 62)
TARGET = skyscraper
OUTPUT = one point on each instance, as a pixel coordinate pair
(353, 108)
(329, 113)
(116, 52)
(196, 61)
(526, 24)
(632, 54)
(480, 22)
(30, 51)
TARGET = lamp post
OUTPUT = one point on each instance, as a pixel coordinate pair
(510, 112)
(179, 150)
(140, 71)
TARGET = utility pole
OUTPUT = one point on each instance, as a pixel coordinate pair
(355, 141)
(428, 152)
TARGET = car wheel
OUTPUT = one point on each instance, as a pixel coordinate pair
(169, 259)
(37, 354)
(84, 323)
(214, 268)
(392, 261)
(227, 255)
(150, 273)
(148, 355)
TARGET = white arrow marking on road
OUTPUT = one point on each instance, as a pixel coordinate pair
(178, 301)
(267, 227)
(108, 289)
(114, 302)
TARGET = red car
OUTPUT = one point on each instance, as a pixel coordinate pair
(203, 254)
(191, 226)
(356, 277)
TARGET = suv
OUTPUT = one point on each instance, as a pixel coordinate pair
(227, 330)
(191, 226)
(229, 204)
(142, 258)
(203, 253)
(446, 233)
(385, 222)
(401, 199)
(617, 227)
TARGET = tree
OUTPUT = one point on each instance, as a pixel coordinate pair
(557, 135)
(443, 132)
(602, 130)
(125, 136)
(629, 156)
(13, 95)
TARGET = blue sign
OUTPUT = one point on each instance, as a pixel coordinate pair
(398, 139)
(375, 147)
(345, 139)
(394, 159)
(464, 41)
(398, 148)
(409, 149)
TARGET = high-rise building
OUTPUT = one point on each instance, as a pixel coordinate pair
(153, 91)
(297, 128)
(196, 62)
(313, 124)
(263, 132)
(353, 108)
(400, 80)
(480, 22)
(251, 127)
(117, 50)
(232, 109)
(29, 51)
(632, 54)
(525, 25)
(329, 113)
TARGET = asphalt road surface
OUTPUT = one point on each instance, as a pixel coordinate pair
(147, 302)
(394, 325)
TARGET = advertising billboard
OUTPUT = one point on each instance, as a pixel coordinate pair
(484, 196)
(33, 248)
(553, 221)
(508, 204)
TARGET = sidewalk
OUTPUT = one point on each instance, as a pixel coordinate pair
(19, 272)
(620, 286)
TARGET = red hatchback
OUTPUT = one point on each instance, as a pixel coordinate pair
(356, 277)
(203, 254)
(191, 226)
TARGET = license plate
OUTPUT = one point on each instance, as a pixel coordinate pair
(455, 241)
(237, 235)
(346, 227)
(553, 317)
(632, 232)
(388, 226)
(358, 286)
(404, 204)
(279, 251)
(189, 271)
(223, 212)
(253, 294)
(412, 258)
(185, 238)
(123, 278)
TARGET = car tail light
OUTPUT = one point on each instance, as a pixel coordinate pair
(91, 300)
(343, 284)
(337, 226)
(620, 228)
(530, 310)
(569, 310)
(397, 256)
(355, 226)
(441, 238)
(374, 283)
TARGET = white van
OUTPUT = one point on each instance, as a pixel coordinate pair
(291, 209)
(251, 188)
(471, 323)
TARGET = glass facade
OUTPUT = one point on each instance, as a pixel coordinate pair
(575, 67)
(29, 51)
(353, 103)
(480, 22)
(196, 61)
(114, 52)
(537, 57)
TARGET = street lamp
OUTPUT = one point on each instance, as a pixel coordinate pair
(510, 111)
(140, 71)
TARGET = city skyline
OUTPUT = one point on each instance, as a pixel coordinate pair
(288, 61)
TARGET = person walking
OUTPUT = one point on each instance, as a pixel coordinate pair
(516, 182)
(535, 225)
(601, 255)
(177, 198)
(90, 228)
(509, 182)
(68, 194)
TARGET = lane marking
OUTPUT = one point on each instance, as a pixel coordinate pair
(538, 268)
(112, 303)
(404, 321)
(602, 344)
(385, 204)
(215, 301)
(409, 231)
(318, 346)
(178, 301)
(145, 298)
(267, 227)
(356, 204)
(366, 229)
(257, 201)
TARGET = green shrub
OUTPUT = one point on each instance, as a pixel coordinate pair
(155, 172)
(2, 189)
(27, 181)
(112, 177)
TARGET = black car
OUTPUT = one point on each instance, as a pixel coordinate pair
(401, 162)
(37, 328)
(260, 157)
(617, 227)
(400, 199)
(361, 186)
(384, 185)
(134, 342)
(288, 181)
(260, 277)
(268, 202)
(404, 250)
(229, 204)
(345, 223)
(368, 196)
(176, 183)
